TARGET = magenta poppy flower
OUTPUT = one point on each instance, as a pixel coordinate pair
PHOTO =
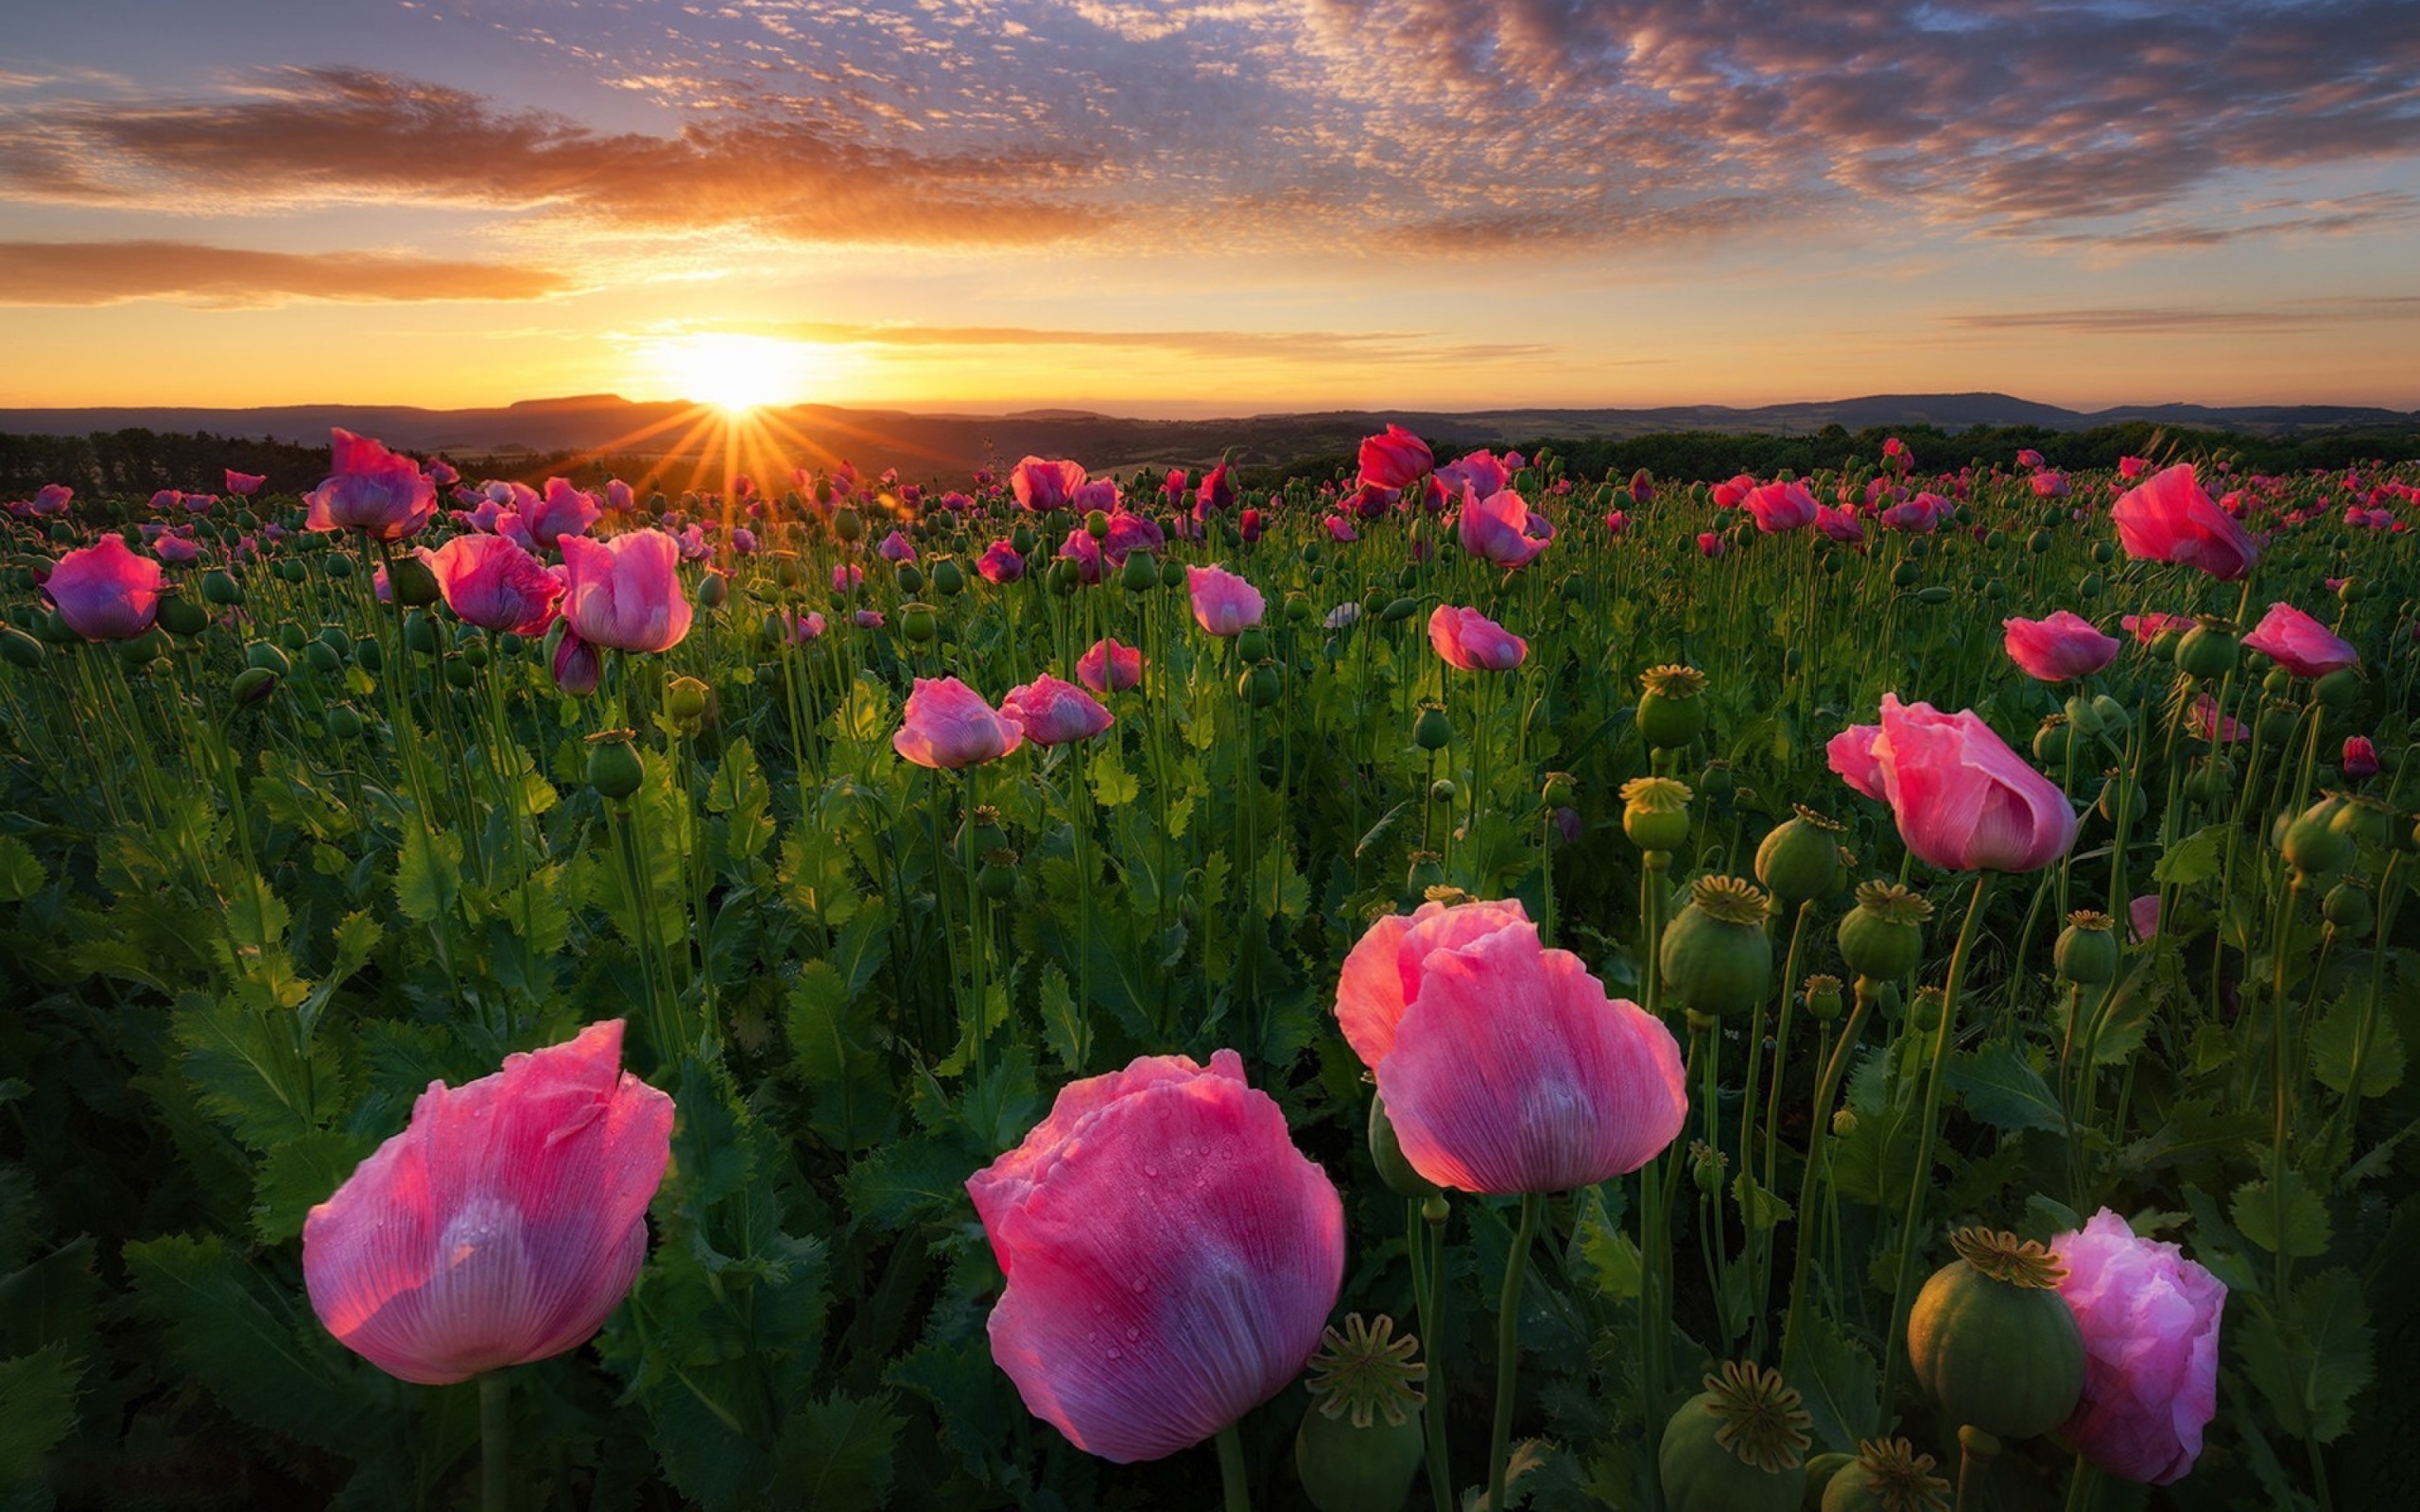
(1248, 526)
(1469, 640)
(2148, 627)
(1129, 532)
(1000, 563)
(2205, 709)
(947, 726)
(2028, 457)
(1964, 800)
(106, 591)
(490, 582)
(2167, 518)
(1616, 521)
(178, 551)
(2055, 650)
(1480, 472)
(1170, 1255)
(1052, 713)
(1780, 508)
(2150, 1319)
(896, 547)
(1341, 530)
(1504, 1066)
(2299, 643)
(1496, 528)
(504, 1222)
(866, 619)
(198, 503)
(1394, 460)
(372, 489)
(617, 494)
(1172, 488)
(2360, 762)
(52, 498)
(1040, 484)
(1711, 544)
(1839, 525)
(166, 499)
(561, 511)
(626, 592)
(1094, 494)
(1217, 489)
(1919, 516)
(2130, 468)
(244, 485)
(847, 577)
(2050, 484)
(2142, 916)
(1083, 548)
(1223, 604)
(1110, 667)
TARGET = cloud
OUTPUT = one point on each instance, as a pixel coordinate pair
(236, 278)
(2298, 317)
(1299, 346)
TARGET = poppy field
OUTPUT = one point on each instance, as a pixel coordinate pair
(1456, 984)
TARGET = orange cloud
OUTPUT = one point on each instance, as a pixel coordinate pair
(238, 278)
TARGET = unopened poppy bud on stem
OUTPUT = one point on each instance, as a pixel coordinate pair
(1655, 812)
(1715, 955)
(1670, 711)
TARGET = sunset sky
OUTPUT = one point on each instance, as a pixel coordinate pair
(1207, 206)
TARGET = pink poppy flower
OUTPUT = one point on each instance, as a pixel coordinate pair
(1616, 521)
(1497, 528)
(372, 489)
(244, 485)
(490, 582)
(2148, 627)
(1728, 494)
(504, 1222)
(2055, 650)
(2028, 457)
(1504, 1066)
(626, 592)
(1170, 1255)
(166, 499)
(1110, 667)
(1341, 530)
(1394, 460)
(1841, 526)
(1000, 563)
(1052, 713)
(804, 627)
(896, 547)
(2360, 762)
(1083, 548)
(1711, 544)
(1964, 800)
(178, 551)
(2205, 708)
(947, 726)
(2050, 484)
(2299, 643)
(52, 498)
(2167, 518)
(1217, 489)
(2150, 1319)
(1223, 604)
(1040, 484)
(847, 577)
(1480, 472)
(1919, 516)
(617, 494)
(561, 511)
(106, 591)
(2130, 468)
(2142, 916)
(1469, 640)
(1780, 508)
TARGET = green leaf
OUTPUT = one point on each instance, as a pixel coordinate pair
(2255, 1210)
(37, 1409)
(2001, 1090)
(1113, 784)
(2193, 858)
(835, 1454)
(257, 1350)
(297, 1175)
(251, 1073)
(1065, 1029)
(908, 1181)
(739, 790)
(1600, 1250)
(1840, 1386)
(1758, 1208)
(2340, 1040)
(2313, 1361)
(21, 875)
(428, 873)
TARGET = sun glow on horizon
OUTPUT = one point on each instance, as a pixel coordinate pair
(733, 372)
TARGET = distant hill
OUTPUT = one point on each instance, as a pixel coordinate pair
(941, 444)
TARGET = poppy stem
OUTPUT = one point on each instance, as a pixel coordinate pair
(1508, 1343)
(1231, 1470)
(495, 1442)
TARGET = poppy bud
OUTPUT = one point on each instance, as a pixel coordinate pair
(1715, 955)
(411, 582)
(685, 700)
(1253, 645)
(1141, 574)
(917, 622)
(848, 524)
(1259, 687)
(713, 589)
(2347, 907)
(180, 615)
(2087, 949)
(1432, 730)
(614, 768)
(1171, 573)
(2339, 689)
(1655, 813)
(2367, 820)
(1559, 791)
(1671, 712)
(220, 588)
(1800, 859)
(269, 657)
(21, 649)
(998, 877)
(2209, 650)
(344, 722)
(2312, 845)
(1883, 936)
(2053, 741)
(251, 686)
(1386, 1153)
(2277, 722)
(1443, 791)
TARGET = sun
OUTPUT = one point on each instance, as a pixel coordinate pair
(733, 372)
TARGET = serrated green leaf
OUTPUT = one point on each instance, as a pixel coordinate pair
(1838, 1382)
(2192, 858)
(2255, 1210)
(2343, 1038)
(836, 1454)
(908, 1181)
(1600, 1250)
(428, 873)
(1758, 1208)
(739, 790)
(251, 1072)
(2004, 1091)
(37, 1409)
(1064, 1027)
(1113, 784)
(21, 875)
(2311, 1361)
(299, 1174)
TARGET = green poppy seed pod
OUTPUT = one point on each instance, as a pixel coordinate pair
(2347, 907)
(1361, 1443)
(1062, 578)
(2091, 587)
(1716, 783)
(457, 673)
(1670, 711)
(1822, 998)
(2112, 715)
(1298, 608)
(1907, 573)
(2367, 820)
(1260, 686)
(367, 656)
(1096, 525)
(1022, 541)
(614, 768)
(411, 581)
(344, 722)
(1560, 790)
(139, 650)
(1141, 573)
(1426, 870)
(55, 630)
(2211, 782)
(1444, 791)
(2116, 788)
(1386, 1152)
(1801, 858)
(1398, 610)
(2164, 645)
(1924, 1010)
(909, 577)
(2312, 845)
(2087, 949)
(1655, 813)
(322, 658)
(2350, 590)
(2278, 683)
(1310, 553)
(340, 565)
(713, 589)
(180, 615)
(291, 570)
(1886, 1475)
(2340, 690)
(1934, 594)
(475, 652)
(1992, 1340)
(1432, 730)
(21, 649)
(1738, 1445)
(2277, 722)
(1171, 573)
(292, 636)
(251, 686)
(1844, 1122)
(1883, 936)
(2053, 741)
(917, 622)
(1715, 955)
(268, 656)
(2081, 716)
(685, 700)
(996, 879)
(2209, 650)
(220, 588)
(1253, 645)
(2039, 542)
(848, 524)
